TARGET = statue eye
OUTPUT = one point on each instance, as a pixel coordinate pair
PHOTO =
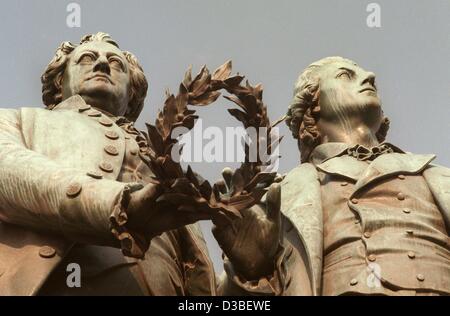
(344, 74)
(115, 62)
(86, 58)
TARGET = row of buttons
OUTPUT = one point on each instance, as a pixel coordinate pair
(419, 277)
(75, 188)
(372, 257)
(367, 235)
(400, 197)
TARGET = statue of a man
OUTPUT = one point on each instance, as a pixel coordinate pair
(362, 216)
(74, 189)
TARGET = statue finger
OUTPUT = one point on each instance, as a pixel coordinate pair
(273, 201)
(227, 174)
(221, 185)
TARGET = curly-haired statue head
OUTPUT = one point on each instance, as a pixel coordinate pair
(335, 101)
(96, 69)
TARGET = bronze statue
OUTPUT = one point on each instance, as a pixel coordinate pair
(362, 217)
(74, 188)
(358, 216)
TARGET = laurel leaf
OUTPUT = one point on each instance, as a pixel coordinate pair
(199, 81)
(172, 169)
(223, 72)
(235, 100)
(189, 121)
(191, 176)
(188, 77)
(169, 115)
(182, 98)
(155, 139)
(206, 98)
(239, 115)
(233, 81)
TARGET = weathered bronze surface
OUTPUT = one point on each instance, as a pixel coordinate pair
(373, 220)
(79, 184)
(75, 187)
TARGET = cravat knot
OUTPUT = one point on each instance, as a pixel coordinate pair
(363, 153)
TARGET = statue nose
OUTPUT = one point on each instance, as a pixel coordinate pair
(370, 79)
(102, 65)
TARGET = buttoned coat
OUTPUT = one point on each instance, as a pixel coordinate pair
(51, 195)
(303, 214)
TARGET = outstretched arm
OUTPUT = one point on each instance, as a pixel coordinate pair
(38, 193)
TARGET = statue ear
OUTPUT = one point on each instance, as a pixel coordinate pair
(59, 80)
(315, 101)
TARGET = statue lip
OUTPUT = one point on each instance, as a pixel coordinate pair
(101, 76)
(367, 89)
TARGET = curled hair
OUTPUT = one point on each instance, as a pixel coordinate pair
(52, 77)
(304, 110)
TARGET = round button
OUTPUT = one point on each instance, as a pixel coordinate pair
(406, 211)
(112, 135)
(411, 254)
(343, 184)
(112, 150)
(353, 282)
(106, 166)
(95, 174)
(420, 277)
(401, 177)
(133, 151)
(47, 252)
(84, 107)
(372, 257)
(367, 234)
(93, 113)
(73, 189)
(400, 196)
(105, 122)
(355, 201)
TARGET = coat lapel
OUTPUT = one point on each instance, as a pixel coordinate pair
(392, 164)
(301, 204)
(345, 166)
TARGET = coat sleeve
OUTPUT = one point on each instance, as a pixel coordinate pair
(37, 193)
(438, 179)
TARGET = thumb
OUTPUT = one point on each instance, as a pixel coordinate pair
(273, 201)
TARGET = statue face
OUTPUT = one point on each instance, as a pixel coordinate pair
(99, 73)
(347, 90)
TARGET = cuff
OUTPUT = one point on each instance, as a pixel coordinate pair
(132, 243)
(273, 284)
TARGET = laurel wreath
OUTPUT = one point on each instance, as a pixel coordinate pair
(247, 184)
